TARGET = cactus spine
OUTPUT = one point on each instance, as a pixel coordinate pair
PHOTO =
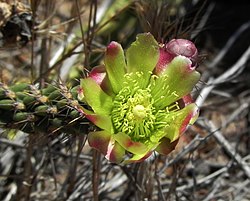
(49, 110)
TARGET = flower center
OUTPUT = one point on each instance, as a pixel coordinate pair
(133, 113)
(139, 112)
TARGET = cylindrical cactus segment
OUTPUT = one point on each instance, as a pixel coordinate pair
(52, 109)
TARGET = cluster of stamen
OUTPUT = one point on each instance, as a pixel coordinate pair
(134, 112)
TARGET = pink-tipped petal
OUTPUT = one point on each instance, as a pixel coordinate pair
(164, 59)
(183, 118)
(99, 75)
(127, 143)
(181, 80)
(99, 140)
(191, 113)
(102, 121)
(185, 123)
(185, 100)
(190, 119)
(100, 101)
(115, 152)
(166, 146)
(115, 65)
(138, 158)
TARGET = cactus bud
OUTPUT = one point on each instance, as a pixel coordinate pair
(182, 47)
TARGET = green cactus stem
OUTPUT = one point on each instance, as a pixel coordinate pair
(53, 109)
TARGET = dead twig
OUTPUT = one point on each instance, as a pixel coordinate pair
(229, 149)
(226, 76)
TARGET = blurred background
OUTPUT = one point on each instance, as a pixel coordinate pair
(45, 42)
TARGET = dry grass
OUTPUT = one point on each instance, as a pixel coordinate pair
(212, 160)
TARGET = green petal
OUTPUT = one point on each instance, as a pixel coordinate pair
(126, 142)
(177, 81)
(115, 65)
(142, 55)
(115, 152)
(165, 147)
(103, 142)
(178, 121)
(100, 102)
(102, 121)
(99, 140)
(190, 114)
(138, 158)
(99, 74)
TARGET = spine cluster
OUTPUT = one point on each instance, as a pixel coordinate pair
(49, 110)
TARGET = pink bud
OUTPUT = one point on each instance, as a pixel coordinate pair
(175, 48)
(183, 47)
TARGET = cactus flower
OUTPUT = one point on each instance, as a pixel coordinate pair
(140, 102)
